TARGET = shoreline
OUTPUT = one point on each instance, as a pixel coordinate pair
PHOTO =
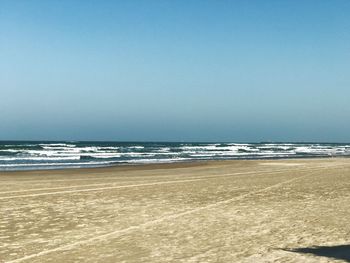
(165, 165)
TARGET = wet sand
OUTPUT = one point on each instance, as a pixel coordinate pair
(295, 210)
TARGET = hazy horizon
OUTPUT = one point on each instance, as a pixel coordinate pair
(193, 71)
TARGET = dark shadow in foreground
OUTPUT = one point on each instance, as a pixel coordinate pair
(336, 252)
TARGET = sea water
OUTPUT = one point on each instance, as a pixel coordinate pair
(21, 155)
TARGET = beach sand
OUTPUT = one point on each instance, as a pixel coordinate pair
(295, 210)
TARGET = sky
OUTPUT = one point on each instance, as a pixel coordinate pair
(171, 70)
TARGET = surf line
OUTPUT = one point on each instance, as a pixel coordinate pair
(120, 232)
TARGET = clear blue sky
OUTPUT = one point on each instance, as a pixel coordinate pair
(175, 70)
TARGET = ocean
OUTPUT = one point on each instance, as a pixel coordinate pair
(21, 155)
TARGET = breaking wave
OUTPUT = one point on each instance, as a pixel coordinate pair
(44, 155)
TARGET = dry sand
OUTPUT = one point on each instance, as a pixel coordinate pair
(229, 211)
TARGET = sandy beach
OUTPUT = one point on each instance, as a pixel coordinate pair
(294, 210)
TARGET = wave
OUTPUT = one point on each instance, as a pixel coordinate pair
(101, 155)
(73, 154)
(56, 145)
(57, 164)
(136, 147)
(154, 160)
(39, 158)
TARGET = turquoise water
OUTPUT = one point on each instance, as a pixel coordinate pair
(43, 155)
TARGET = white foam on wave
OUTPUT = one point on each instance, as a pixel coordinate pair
(56, 164)
(10, 150)
(39, 158)
(164, 149)
(108, 148)
(238, 154)
(165, 160)
(280, 147)
(207, 147)
(58, 148)
(218, 147)
(56, 145)
(20, 145)
(240, 144)
(315, 150)
(136, 147)
(101, 155)
(50, 152)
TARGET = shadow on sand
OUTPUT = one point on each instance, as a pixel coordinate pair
(335, 252)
